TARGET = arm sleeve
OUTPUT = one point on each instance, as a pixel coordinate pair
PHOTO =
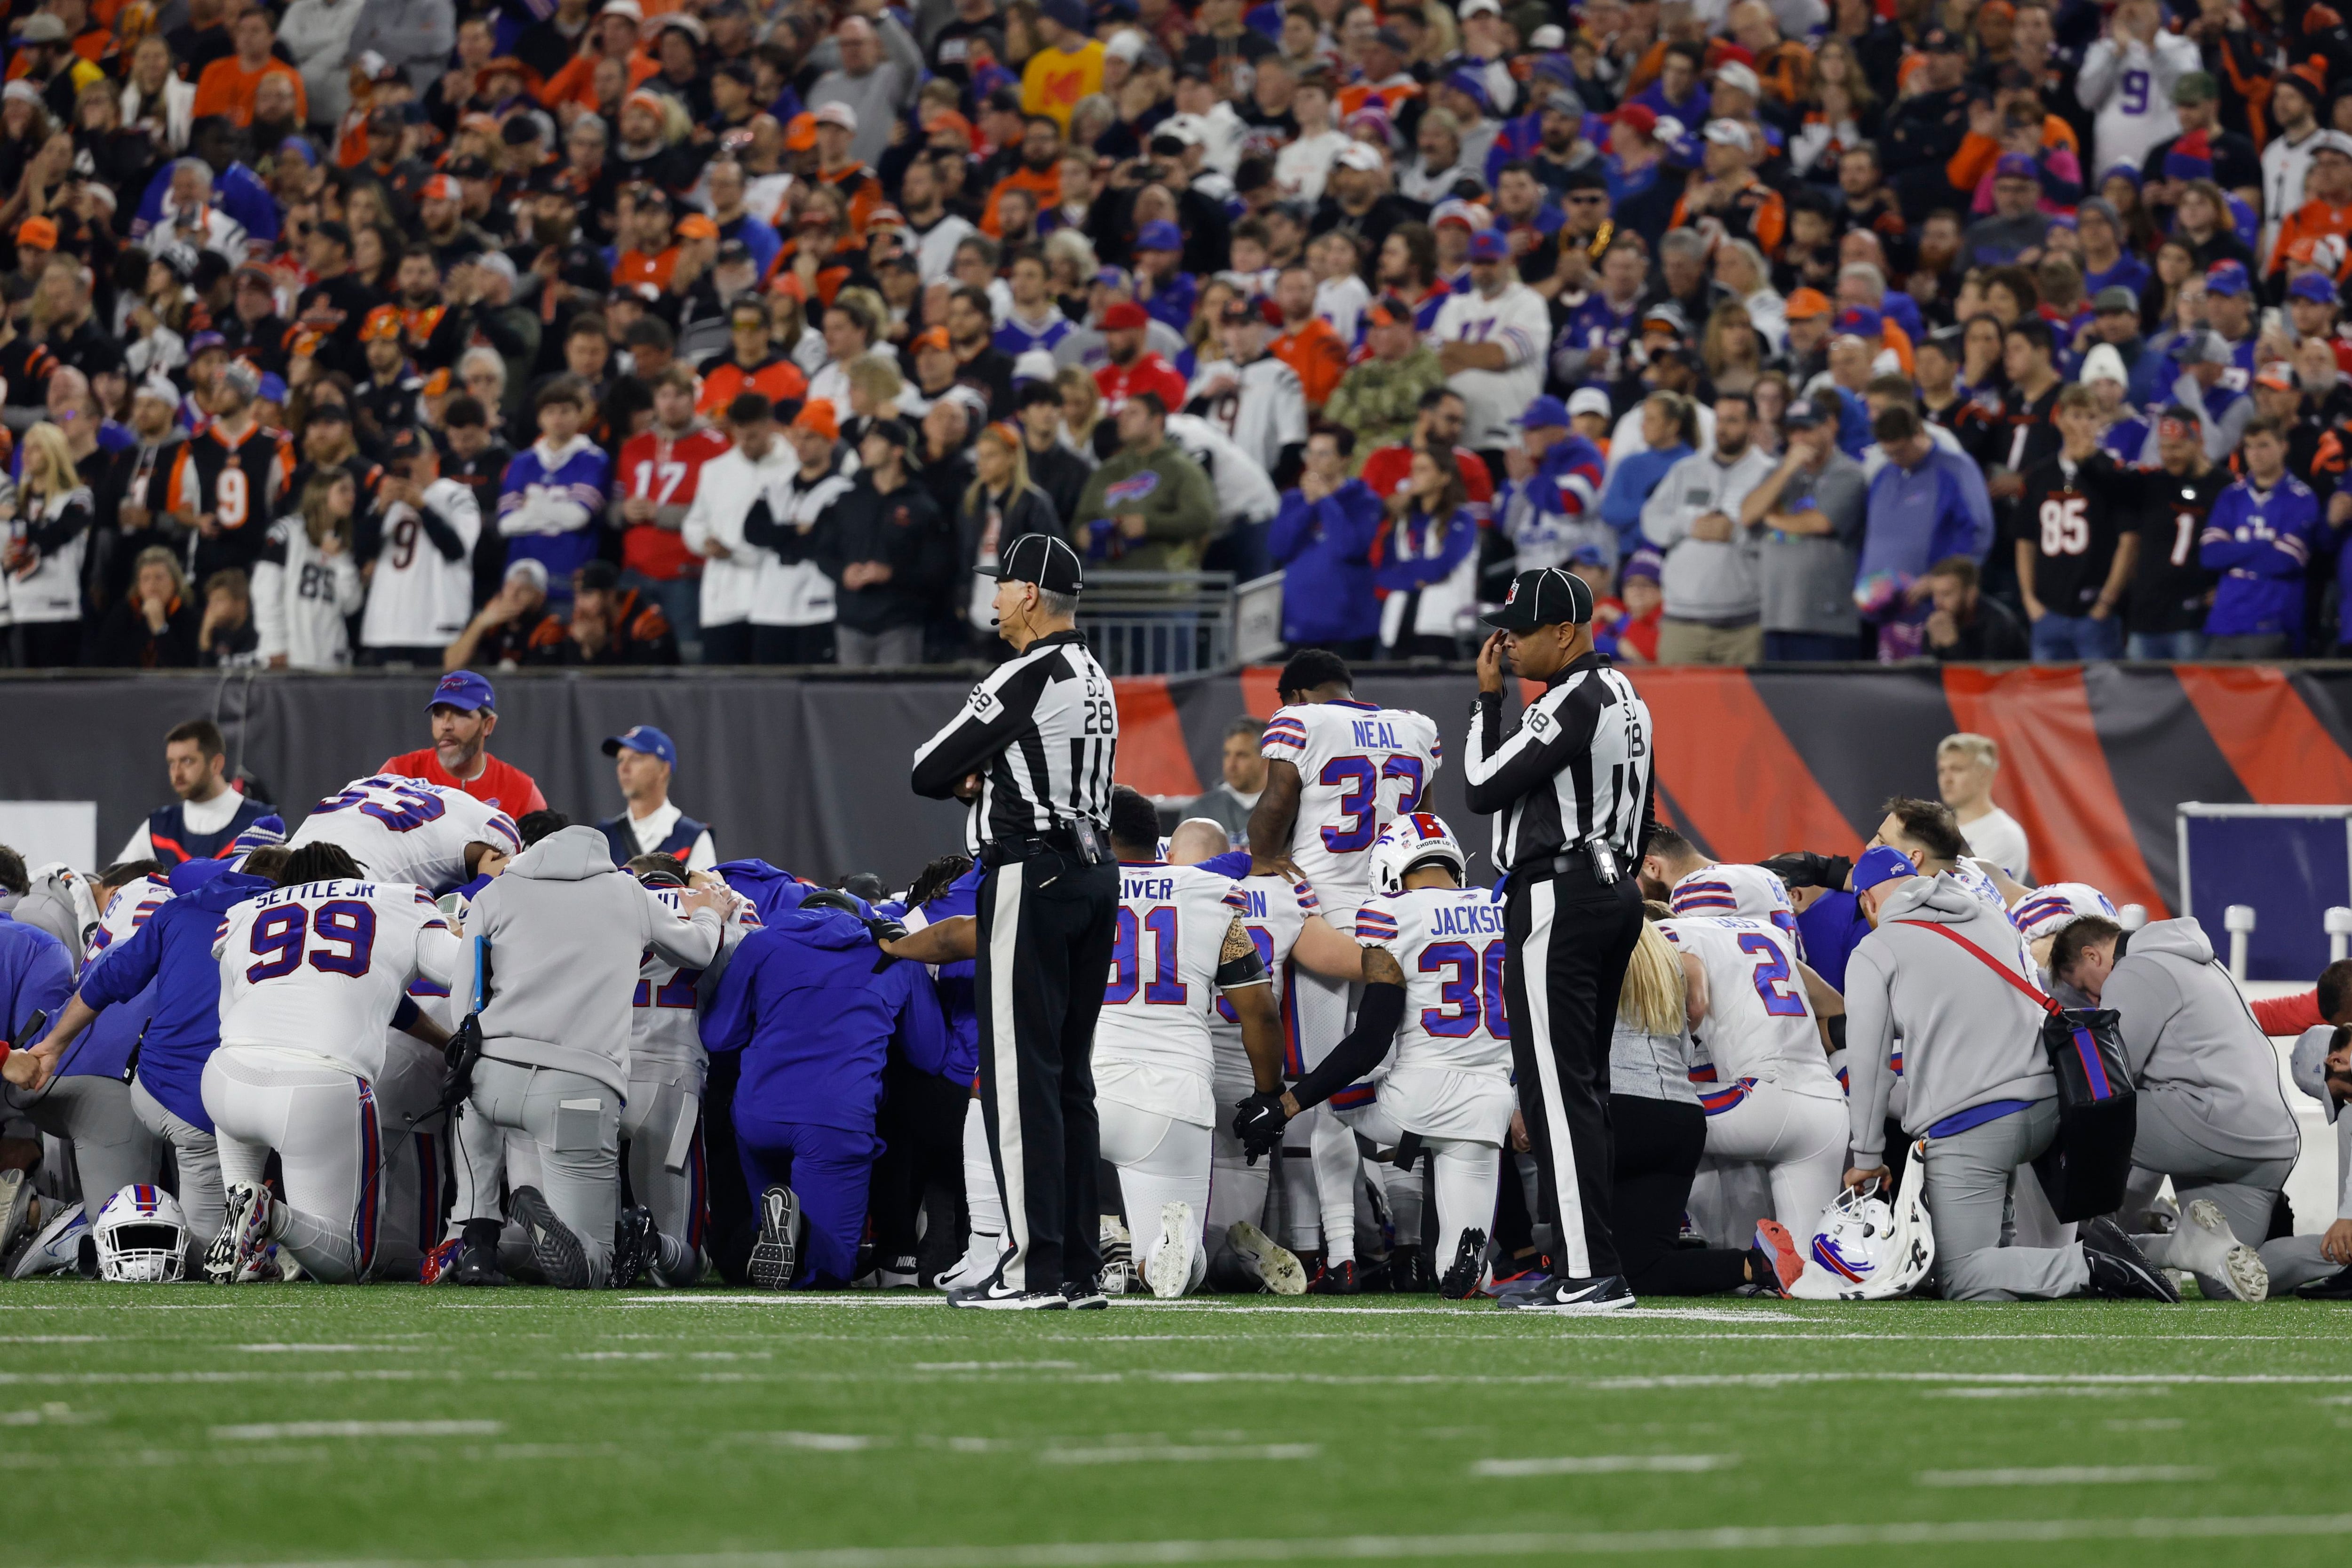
(438, 952)
(2097, 77)
(726, 1021)
(1351, 1059)
(47, 984)
(444, 537)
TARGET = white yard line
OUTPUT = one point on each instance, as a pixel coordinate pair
(2065, 1476)
(275, 1431)
(1147, 1454)
(1603, 1465)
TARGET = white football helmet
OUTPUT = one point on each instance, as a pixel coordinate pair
(2053, 907)
(141, 1237)
(1407, 842)
(1868, 1249)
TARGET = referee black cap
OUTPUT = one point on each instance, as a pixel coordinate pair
(1042, 559)
(1545, 597)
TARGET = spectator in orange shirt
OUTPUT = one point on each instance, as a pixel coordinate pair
(2327, 197)
(1748, 208)
(1309, 345)
(838, 165)
(1038, 172)
(749, 364)
(617, 27)
(651, 257)
(228, 85)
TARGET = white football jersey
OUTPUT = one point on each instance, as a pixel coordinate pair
(1151, 1047)
(1360, 768)
(1968, 876)
(133, 904)
(1262, 411)
(1270, 914)
(322, 967)
(1749, 892)
(406, 830)
(1759, 1024)
(418, 596)
(1449, 943)
(665, 1015)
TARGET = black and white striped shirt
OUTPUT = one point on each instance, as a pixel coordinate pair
(1576, 768)
(1042, 733)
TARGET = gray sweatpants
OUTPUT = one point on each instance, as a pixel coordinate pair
(2170, 1141)
(112, 1149)
(573, 1122)
(1971, 1178)
(196, 1154)
(661, 1125)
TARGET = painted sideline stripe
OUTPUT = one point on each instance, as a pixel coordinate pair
(1604, 1464)
(1322, 1549)
(1180, 1455)
(270, 1431)
(2065, 1476)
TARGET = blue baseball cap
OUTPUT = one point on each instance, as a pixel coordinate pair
(273, 388)
(1861, 320)
(2312, 286)
(643, 738)
(1490, 245)
(1472, 85)
(1882, 865)
(1160, 236)
(465, 690)
(2226, 278)
(1545, 414)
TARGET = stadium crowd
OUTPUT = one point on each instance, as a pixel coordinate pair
(712, 1064)
(449, 332)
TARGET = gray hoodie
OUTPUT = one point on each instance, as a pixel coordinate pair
(1969, 1036)
(2186, 1031)
(1707, 580)
(567, 930)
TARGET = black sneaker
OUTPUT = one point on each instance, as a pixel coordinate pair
(474, 1266)
(1409, 1272)
(2119, 1268)
(777, 1250)
(1573, 1298)
(1336, 1280)
(635, 1244)
(2336, 1287)
(553, 1247)
(1083, 1297)
(1469, 1266)
(996, 1296)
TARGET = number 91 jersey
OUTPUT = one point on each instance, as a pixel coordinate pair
(405, 830)
(1360, 768)
(1758, 1024)
(322, 967)
(1151, 1042)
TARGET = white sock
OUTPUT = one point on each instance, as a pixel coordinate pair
(1337, 1164)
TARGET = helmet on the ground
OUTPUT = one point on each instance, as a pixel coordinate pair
(1408, 842)
(141, 1237)
(1867, 1249)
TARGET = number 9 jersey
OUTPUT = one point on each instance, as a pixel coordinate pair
(1360, 768)
(1759, 1024)
(323, 967)
(405, 830)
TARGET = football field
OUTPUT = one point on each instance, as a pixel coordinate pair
(187, 1424)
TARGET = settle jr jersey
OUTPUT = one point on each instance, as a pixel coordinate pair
(405, 830)
(322, 967)
(1759, 1024)
(1152, 1045)
(1449, 943)
(664, 1018)
(1359, 769)
(1749, 892)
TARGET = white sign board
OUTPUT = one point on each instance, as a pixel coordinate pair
(45, 830)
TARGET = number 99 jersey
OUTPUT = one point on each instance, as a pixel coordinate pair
(1360, 768)
(1151, 1042)
(1759, 1024)
(405, 830)
(322, 967)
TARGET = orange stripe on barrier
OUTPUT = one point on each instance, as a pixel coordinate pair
(2053, 777)
(2280, 752)
(1259, 695)
(1152, 757)
(1730, 767)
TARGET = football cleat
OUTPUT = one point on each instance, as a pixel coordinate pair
(1408, 1272)
(2205, 1246)
(2119, 1268)
(777, 1251)
(1083, 1299)
(995, 1296)
(1519, 1277)
(1117, 1249)
(1467, 1270)
(2336, 1287)
(56, 1249)
(1573, 1298)
(635, 1244)
(1336, 1280)
(1272, 1265)
(15, 1203)
(978, 1262)
(476, 1265)
(553, 1247)
(239, 1254)
(1775, 1260)
(440, 1264)
(1171, 1265)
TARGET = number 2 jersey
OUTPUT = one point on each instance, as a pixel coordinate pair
(322, 967)
(1360, 768)
(1448, 1074)
(1759, 1026)
(1153, 1048)
(405, 830)
(664, 1015)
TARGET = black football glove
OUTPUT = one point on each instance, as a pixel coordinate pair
(1259, 1123)
(883, 928)
(1804, 868)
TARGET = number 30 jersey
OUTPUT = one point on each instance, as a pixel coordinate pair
(1151, 1044)
(405, 830)
(322, 967)
(1759, 1024)
(1360, 768)
(1449, 943)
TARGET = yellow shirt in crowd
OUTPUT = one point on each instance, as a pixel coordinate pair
(1055, 80)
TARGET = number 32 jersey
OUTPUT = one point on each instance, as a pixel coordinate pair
(405, 830)
(1759, 1024)
(1153, 1048)
(322, 967)
(1360, 768)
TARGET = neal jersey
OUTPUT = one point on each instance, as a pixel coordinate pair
(664, 1018)
(1749, 892)
(1449, 943)
(1152, 1045)
(322, 967)
(1360, 768)
(1759, 1024)
(1271, 919)
(405, 830)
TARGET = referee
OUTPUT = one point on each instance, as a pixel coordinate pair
(1033, 751)
(1569, 789)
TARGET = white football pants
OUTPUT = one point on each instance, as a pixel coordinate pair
(321, 1120)
(1799, 1140)
(1322, 1190)
(1160, 1161)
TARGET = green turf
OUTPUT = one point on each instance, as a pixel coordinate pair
(166, 1426)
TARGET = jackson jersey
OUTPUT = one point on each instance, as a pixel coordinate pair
(1749, 892)
(1759, 1024)
(1152, 1045)
(1360, 768)
(665, 1018)
(405, 830)
(1449, 943)
(1271, 919)
(323, 967)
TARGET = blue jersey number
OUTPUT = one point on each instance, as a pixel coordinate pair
(1772, 977)
(1460, 1012)
(1163, 989)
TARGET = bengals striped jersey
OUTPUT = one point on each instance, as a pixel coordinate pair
(238, 481)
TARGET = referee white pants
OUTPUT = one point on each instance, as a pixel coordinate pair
(1322, 1196)
(1801, 1142)
(322, 1124)
(1160, 1161)
(661, 1130)
(195, 1156)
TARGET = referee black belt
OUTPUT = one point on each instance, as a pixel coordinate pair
(1083, 842)
(1575, 858)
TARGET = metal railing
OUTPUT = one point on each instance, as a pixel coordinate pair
(1180, 623)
